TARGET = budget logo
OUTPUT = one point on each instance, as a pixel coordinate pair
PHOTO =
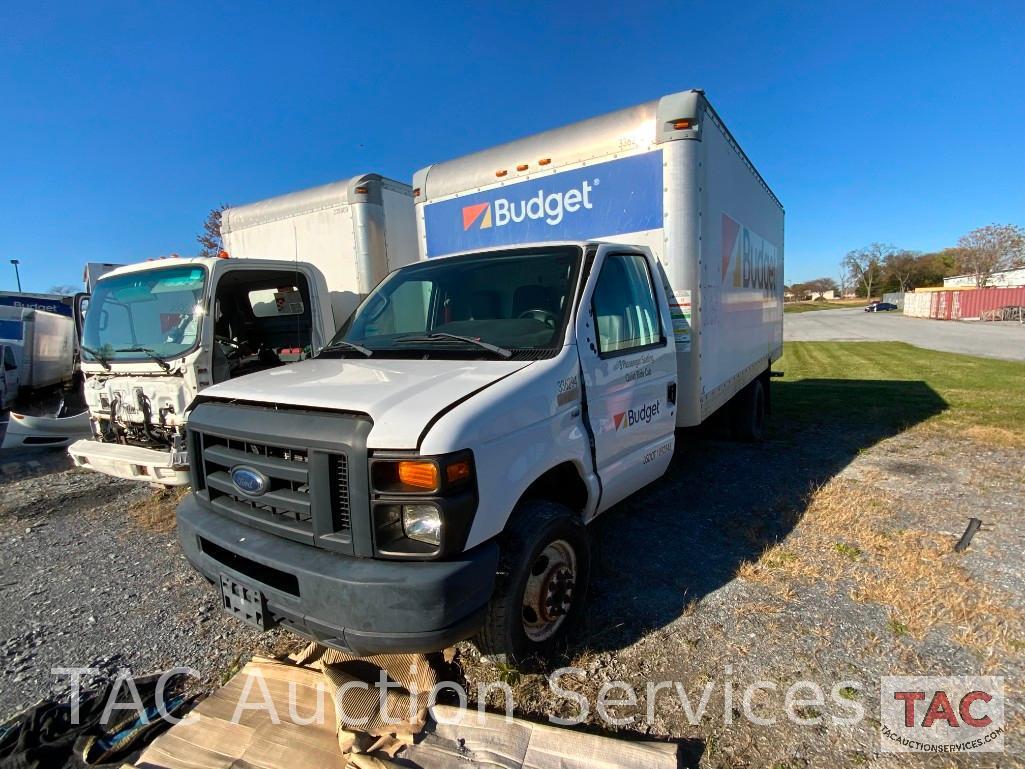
(948, 714)
(549, 207)
(472, 213)
(631, 417)
(748, 259)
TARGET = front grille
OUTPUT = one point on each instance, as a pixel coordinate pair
(339, 466)
(310, 482)
(288, 501)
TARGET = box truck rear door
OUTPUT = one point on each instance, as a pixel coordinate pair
(628, 363)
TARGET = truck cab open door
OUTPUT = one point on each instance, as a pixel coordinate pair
(628, 362)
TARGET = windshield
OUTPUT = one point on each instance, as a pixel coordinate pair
(141, 314)
(517, 301)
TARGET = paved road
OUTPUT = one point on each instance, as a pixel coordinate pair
(991, 340)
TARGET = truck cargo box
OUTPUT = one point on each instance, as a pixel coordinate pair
(666, 174)
(43, 345)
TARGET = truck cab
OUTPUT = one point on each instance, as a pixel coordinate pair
(475, 409)
(158, 332)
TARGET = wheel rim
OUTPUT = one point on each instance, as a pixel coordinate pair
(548, 594)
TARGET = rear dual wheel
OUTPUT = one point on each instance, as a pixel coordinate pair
(747, 412)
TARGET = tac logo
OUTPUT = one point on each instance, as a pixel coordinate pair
(751, 259)
(644, 414)
(472, 213)
(934, 714)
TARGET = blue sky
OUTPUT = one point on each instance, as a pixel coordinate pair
(123, 124)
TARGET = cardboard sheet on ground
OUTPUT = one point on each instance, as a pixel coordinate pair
(515, 744)
(210, 740)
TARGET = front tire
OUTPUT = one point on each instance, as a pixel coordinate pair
(542, 583)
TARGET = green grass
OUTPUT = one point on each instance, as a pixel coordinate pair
(895, 385)
(848, 551)
(826, 305)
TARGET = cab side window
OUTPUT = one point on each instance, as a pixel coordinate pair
(624, 306)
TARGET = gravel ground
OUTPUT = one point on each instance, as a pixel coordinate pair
(1004, 340)
(92, 576)
(690, 586)
(667, 603)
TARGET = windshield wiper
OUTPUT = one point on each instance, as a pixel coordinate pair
(160, 361)
(339, 343)
(440, 335)
(99, 358)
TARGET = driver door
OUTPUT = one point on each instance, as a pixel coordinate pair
(628, 362)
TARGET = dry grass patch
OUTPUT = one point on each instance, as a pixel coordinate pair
(993, 436)
(156, 512)
(847, 535)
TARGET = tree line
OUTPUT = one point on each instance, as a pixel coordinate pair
(880, 268)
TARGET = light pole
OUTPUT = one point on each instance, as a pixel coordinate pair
(17, 274)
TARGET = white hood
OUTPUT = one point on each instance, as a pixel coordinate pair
(401, 396)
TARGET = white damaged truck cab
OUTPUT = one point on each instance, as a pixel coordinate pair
(430, 475)
(158, 332)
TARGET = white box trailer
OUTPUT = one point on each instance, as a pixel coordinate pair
(666, 174)
(43, 344)
(355, 231)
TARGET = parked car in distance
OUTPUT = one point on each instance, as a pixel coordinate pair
(881, 307)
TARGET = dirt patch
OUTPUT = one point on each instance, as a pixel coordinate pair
(155, 512)
(852, 537)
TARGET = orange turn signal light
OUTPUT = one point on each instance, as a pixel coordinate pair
(457, 471)
(682, 125)
(419, 475)
(544, 161)
(522, 167)
(501, 173)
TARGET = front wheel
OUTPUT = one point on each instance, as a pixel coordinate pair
(542, 583)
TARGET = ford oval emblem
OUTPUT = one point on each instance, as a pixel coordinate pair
(249, 481)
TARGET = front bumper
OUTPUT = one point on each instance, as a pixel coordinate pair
(361, 605)
(133, 463)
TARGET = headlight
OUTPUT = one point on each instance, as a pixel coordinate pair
(422, 523)
(421, 506)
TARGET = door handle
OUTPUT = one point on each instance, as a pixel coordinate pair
(671, 393)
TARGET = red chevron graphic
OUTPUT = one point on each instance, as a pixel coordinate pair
(472, 214)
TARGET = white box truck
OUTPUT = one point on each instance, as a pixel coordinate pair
(430, 475)
(42, 346)
(158, 332)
